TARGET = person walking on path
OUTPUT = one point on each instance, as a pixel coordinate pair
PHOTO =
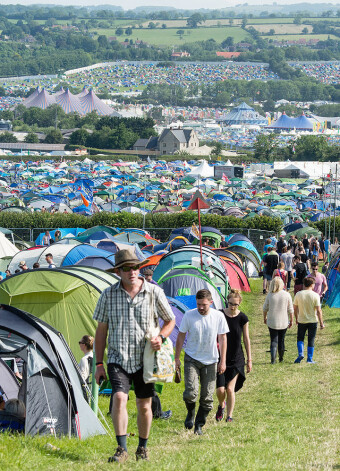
(281, 273)
(123, 311)
(203, 326)
(307, 311)
(271, 262)
(232, 380)
(287, 258)
(320, 286)
(277, 315)
(299, 274)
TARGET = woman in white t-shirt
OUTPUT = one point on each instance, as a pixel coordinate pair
(86, 346)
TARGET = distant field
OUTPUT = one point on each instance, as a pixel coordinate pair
(295, 37)
(168, 36)
(281, 28)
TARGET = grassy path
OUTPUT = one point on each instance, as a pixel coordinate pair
(286, 417)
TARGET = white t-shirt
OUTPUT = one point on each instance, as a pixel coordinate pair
(202, 334)
(84, 365)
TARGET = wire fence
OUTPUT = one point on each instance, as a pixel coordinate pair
(256, 236)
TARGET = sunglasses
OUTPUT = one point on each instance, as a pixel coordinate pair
(233, 304)
(314, 268)
(81, 343)
(127, 269)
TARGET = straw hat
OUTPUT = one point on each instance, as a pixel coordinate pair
(127, 257)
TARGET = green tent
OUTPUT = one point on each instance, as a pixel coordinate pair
(64, 298)
(84, 235)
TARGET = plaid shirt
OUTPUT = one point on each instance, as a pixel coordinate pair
(128, 321)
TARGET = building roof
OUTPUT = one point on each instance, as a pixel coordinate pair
(227, 55)
(182, 135)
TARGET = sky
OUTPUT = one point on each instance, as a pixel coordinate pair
(186, 4)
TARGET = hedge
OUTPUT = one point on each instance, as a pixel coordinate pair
(123, 219)
(320, 225)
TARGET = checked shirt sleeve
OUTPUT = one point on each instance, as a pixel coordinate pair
(101, 312)
(163, 308)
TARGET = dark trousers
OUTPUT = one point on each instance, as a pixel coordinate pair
(311, 328)
(277, 338)
(289, 279)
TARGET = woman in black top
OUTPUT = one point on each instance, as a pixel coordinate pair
(233, 378)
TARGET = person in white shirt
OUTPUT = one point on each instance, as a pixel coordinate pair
(86, 346)
(204, 325)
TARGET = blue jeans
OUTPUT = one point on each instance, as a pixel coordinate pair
(302, 329)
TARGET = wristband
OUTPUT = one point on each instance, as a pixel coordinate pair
(99, 363)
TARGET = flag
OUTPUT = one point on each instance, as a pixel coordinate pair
(194, 231)
(225, 178)
(86, 194)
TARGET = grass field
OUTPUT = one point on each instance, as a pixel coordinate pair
(295, 37)
(281, 28)
(286, 418)
(169, 36)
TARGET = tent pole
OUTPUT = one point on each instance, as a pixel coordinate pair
(334, 213)
(200, 232)
(94, 387)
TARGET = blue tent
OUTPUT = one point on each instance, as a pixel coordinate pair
(302, 123)
(284, 122)
(333, 280)
(64, 231)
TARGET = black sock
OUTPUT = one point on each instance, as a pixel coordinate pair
(143, 442)
(121, 440)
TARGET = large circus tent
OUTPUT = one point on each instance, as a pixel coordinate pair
(244, 114)
(285, 123)
(85, 102)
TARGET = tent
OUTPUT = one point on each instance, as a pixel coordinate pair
(202, 171)
(52, 389)
(90, 102)
(63, 255)
(183, 282)
(7, 249)
(65, 298)
(333, 280)
(244, 114)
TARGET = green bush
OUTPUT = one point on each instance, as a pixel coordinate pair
(123, 219)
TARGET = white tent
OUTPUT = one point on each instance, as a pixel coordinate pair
(203, 170)
(7, 249)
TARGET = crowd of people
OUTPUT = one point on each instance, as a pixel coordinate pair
(298, 261)
(214, 359)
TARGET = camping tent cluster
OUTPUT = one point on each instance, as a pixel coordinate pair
(45, 310)
(85, 102)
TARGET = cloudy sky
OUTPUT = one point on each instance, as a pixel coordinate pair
(189, 4)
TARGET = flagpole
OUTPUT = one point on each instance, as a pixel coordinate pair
(200, 232)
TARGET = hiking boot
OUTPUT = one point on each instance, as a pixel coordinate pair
(120, 456)
(142, 454)
(200, 420)
(220, 413)
(189, 420)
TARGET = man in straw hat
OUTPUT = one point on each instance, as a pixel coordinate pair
(123, 311)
